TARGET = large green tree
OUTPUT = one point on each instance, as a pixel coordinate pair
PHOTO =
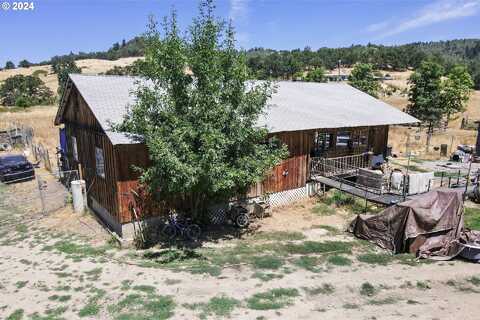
(435, 95)
(363, 78)
(198, 115)
(63, 67)
(9, 65)
(456, 90)
(24, 91)
(24, 64)
(426, 101)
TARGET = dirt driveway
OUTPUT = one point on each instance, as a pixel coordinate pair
(299, 264)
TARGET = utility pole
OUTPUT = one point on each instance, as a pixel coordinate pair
(339, 65)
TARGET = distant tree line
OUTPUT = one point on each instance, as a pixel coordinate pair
(285, 64)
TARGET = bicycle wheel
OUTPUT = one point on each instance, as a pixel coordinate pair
(193, 232)
(169, 232)
(242, 220)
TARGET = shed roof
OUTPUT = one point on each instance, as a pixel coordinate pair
(294, 106)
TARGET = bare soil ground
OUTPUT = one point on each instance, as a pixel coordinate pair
(298, 264)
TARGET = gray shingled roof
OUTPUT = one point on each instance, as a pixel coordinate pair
(294, 106)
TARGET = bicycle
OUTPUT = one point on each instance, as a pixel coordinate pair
(174, 228)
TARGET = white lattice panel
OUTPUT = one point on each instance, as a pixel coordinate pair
(286, 197)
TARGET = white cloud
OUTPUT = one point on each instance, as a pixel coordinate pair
(238, 10)
(437, 12)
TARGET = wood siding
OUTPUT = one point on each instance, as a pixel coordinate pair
(113, 191)
(293, 172)
(81, 123)
(128, 157)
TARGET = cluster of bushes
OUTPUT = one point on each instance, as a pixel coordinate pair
(315, 75)
(130, 70)
(25, 91)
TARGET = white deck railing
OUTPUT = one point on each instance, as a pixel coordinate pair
(338, 165)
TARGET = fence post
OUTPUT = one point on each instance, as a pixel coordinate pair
(42, 196)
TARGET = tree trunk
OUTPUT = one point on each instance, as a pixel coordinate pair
(429, 136)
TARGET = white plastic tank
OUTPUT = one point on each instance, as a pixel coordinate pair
(78, 190)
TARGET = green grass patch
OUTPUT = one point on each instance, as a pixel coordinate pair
(339, 199)
(279, 236)
(267, 262)
(76, 251)
(21, 228)
(350, 306)
(423, 285)
(60, 298)
(141, 306)
(338, 260)
(50, 314)
(272, 299)
(367, 289)
(92, 307)
(316, 247)
(474, 280)
(221, 306)
(472, 218)
(93, 274)
(203, 267)
(325, 289)
(266, 276)
(308, 263)
(375, 258)
(323, 209)
(21, 284)
(145, 288)
(16, 315)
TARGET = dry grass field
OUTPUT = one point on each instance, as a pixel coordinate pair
(41, 118)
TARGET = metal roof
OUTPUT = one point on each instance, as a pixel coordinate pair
(294, 106)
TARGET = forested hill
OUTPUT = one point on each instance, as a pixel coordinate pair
(268, 63)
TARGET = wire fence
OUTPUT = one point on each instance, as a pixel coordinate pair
(42, 196)
(15, 135)
(49, 192)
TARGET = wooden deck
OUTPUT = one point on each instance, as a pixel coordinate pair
(386, 199)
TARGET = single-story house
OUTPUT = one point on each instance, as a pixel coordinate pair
(315, 120)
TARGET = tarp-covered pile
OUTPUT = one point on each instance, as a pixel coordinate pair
(430, 226)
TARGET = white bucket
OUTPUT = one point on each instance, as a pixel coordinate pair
(78, 187)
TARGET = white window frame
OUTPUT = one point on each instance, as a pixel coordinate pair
(99, 162)
(74, 148)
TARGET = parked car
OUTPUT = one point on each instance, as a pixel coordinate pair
(15, 168)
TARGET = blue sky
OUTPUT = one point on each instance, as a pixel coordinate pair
(58, 27)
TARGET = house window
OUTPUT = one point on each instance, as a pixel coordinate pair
(99, 162)
(343, 139)
(360, 139)
(74, 148)
(322, 142)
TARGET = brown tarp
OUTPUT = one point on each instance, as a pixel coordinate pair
(429, 225)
